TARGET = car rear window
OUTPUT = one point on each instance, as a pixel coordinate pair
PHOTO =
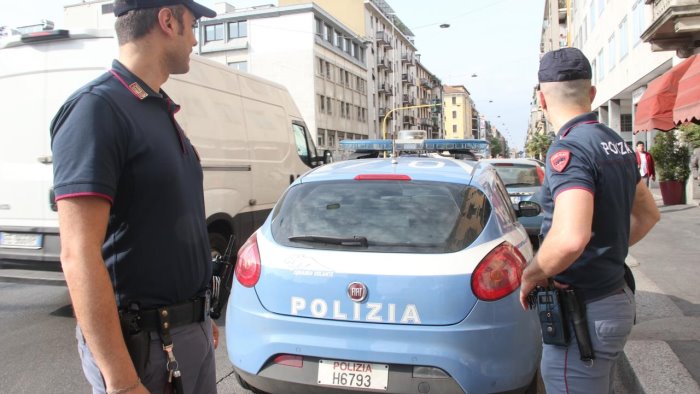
(388, 216)
(518, 175)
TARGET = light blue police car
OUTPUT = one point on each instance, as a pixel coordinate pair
(396, 275)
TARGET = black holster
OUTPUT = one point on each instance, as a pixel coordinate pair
(138, 341)
(576, 310)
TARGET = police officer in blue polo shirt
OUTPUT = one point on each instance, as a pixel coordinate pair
(595, 207)
(128, 185)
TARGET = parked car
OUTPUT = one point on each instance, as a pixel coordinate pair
(396, 275)
(523, 179)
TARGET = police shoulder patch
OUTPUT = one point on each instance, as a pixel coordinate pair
(559, 160)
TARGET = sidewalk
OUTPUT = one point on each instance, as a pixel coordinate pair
(663, 352)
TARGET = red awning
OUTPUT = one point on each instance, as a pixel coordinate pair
(655, 108)
(687, 106)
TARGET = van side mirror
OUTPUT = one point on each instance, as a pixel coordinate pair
(528, 209)
(327, 156)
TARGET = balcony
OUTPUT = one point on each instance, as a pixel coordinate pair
(385, 89)
(426, 83)
(381, 113)
(384, 64)
(426, 122)
(408, 79)
(408, 100)
(407, 58)
(383, 39)
(409, 120)
(675, 26)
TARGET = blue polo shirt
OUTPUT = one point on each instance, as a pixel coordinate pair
(118, 139)
(591, 156)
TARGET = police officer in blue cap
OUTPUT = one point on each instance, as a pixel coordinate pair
(595, 207)
(128, 185)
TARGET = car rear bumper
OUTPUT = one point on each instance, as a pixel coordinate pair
(496, 348)
(45, 257)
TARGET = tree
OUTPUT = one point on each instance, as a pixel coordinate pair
(538, 145)
(691, 134)
(671, 157)
(496, 148)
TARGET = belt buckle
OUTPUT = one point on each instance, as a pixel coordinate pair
(207, 305)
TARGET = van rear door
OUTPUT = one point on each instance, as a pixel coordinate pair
(35, 79)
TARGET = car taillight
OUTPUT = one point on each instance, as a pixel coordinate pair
(248, 263)
(540, 174)
(499, 273)
(289, 360)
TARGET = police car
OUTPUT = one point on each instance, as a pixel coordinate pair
(395, 275)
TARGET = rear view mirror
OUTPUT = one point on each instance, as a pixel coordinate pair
(528, 209)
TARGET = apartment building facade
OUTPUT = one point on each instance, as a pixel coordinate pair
(459, 117)
(393, 70)
(631, 44)
(320, 61)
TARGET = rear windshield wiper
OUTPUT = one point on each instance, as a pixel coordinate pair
(343, 241)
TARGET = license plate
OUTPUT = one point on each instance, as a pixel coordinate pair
(353, 374)
(20, 240)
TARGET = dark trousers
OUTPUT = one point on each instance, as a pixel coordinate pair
(193, 349)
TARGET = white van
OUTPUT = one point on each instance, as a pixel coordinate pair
(250, 136)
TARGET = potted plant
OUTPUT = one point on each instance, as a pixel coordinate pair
(672, 161)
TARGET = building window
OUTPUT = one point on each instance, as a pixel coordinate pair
(342, 109)
(237, 29)
(454, 114)
(612, 52)
(240, 66)
(454, 129)
(626, 123)
(108, 8)
(321, 137)
(322, 104)
(328, 34)
(584, 37)
(601, 66)
(623, 38)
(638, 24)
(454, 100)
(319, 27)
(347, 110)
(321, 68)
(329, 108)
(339, 40)
(214, 32)
(328, 70)
(601, 6)
(591, 15)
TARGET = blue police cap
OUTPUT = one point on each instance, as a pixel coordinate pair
(121, 7)
(565, 64)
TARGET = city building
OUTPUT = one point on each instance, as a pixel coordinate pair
(460, 118)
(630, 44)
(393, 68)
(301, 46)
(429, 93)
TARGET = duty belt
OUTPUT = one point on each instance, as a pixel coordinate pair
(178, 315)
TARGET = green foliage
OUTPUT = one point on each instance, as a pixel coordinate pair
(691, 134)
(538, 145)
(496, 148)
(671, 157)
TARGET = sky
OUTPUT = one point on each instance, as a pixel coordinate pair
(498, 40)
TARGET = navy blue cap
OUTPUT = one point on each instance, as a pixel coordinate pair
(121, 7)
(565, 64)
